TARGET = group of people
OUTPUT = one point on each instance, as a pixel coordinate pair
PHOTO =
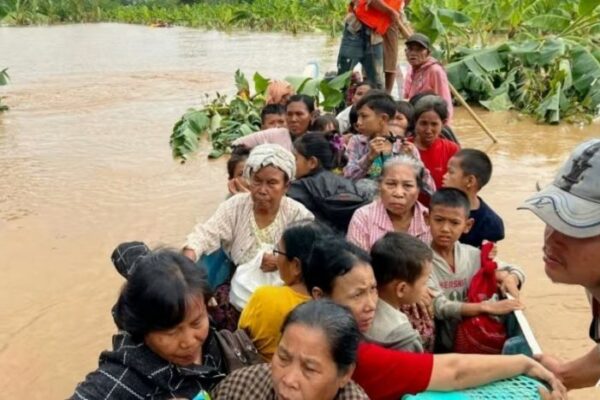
(340, 264)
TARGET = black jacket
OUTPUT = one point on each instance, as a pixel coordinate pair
(132, 371)
(330, 197)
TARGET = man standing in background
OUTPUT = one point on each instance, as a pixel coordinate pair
(371, 38)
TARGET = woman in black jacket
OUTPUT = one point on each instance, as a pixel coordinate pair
(330, 197)
(165, 347)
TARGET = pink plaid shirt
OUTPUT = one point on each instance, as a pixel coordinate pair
(369, 223)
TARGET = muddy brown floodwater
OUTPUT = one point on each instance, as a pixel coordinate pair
(85, 164)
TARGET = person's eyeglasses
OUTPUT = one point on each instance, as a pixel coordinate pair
(276, 251)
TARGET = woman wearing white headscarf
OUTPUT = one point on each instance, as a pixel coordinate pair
(246, 222)
(248, 226)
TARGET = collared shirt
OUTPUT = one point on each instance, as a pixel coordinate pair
(132, 371)
(359, 166)
(256, 383)
(232, 227)
(371, 222)
(392, 329)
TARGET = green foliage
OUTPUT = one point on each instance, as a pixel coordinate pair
(551, 78)
(545, 61)
(27, 12)
(264, 15)
(223, 121)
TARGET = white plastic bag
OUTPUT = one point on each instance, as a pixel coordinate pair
(248, 277)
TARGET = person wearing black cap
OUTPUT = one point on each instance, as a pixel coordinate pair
(425, 73)
(570, 208)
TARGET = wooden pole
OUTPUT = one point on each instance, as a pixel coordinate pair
(406, 32)
(463, 102)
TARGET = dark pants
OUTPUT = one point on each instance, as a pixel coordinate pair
(357, 48)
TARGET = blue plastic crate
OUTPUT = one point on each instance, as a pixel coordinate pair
(519, 388)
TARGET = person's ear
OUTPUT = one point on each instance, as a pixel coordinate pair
(471, 182)
(401, 288)
(427, 218)
(469, 225)
(297, 268)
(346, 377)
(317, 293)
(313, 163)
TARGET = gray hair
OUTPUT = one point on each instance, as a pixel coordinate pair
(409, 161)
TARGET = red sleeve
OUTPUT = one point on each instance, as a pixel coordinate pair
(452, 148)
(390, 374)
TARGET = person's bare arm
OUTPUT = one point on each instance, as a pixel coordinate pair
(189, 253)
(461, 371)
(576, 374)
(501, 307)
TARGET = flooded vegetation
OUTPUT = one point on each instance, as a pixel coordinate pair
(85, 164)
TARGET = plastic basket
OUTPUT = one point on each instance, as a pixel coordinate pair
(519, 388)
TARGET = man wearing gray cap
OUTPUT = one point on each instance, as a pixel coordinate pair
(570, 207)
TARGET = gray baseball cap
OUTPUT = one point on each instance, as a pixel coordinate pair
(419, 39)
(571, 204)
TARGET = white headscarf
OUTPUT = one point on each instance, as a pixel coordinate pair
(270, 154)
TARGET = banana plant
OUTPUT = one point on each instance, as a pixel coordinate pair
(223, 120)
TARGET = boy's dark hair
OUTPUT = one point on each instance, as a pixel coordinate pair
(308, 101)
(321, 122)
(407, 109)
(238, 154)
(378, 101)
(477, 163)
(157, 293)
(399, 255)
(432, 103)
(450, 197)
(320, 146)
(270, 109)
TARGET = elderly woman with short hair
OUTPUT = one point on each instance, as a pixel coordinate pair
(398, 210)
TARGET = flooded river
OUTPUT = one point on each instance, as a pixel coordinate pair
(85, 164)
